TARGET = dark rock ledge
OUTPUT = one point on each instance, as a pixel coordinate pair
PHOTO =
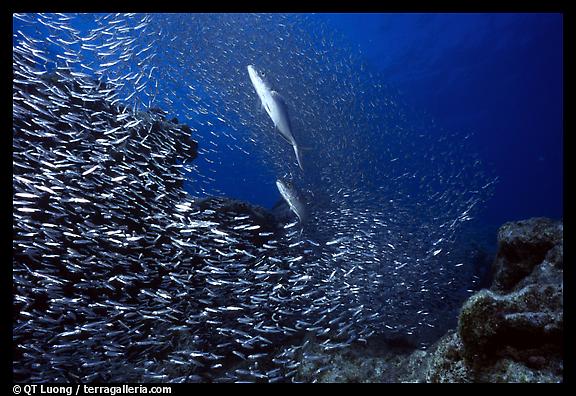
(512, 332)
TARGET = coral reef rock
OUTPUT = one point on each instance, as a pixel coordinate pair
(522, 245)
(513, 332)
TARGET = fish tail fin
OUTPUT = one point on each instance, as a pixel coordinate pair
(298, 156)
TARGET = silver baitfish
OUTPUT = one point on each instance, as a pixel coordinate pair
(129, 265)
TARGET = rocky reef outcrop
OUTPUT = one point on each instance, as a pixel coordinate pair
(523, 246)
(512, 332)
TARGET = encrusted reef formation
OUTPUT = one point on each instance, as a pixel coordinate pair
(512, 332)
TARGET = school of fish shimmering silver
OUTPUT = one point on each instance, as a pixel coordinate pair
(119, 274)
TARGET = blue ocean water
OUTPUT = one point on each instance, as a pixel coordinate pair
(410, 125)
(498, 76)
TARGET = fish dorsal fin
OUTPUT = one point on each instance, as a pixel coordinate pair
(279, 203)
(259, 106)
(278, 97)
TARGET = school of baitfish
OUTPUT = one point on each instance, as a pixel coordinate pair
(119, 274)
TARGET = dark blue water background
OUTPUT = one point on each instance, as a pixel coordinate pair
(498, 76)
